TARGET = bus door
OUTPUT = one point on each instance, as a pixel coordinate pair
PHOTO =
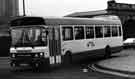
(55, 45)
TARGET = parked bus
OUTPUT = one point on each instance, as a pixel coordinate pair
(45, 42)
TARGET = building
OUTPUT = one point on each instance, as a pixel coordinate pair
(126, 13)
(8, 9)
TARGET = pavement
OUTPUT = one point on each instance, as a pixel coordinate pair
(122, 64)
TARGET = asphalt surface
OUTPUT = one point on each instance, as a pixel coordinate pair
(79, 70)
(122, 65)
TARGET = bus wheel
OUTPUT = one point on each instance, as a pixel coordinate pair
(67, 59)
(44, 66)
(108, 52)
(35, 67)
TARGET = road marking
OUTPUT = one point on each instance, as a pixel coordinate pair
(110, 72)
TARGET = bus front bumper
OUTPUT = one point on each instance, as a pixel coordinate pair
(16, 62)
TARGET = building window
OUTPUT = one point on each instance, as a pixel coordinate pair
(89, 32)
(79, 32)
(67, 33)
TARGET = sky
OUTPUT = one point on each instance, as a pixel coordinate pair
(63, 7)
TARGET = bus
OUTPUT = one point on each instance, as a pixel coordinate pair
(41, 42)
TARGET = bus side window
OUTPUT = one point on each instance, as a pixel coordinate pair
(67, 33)
(114, 31)
(79, 32)
(89, 32)
(99, 31)
(107, 31)
(120, 33)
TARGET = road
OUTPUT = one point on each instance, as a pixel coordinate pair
(74, 72)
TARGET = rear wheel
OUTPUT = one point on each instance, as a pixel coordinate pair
(108, 52)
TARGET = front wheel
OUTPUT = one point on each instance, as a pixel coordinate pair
(67, 59)
(35, 67)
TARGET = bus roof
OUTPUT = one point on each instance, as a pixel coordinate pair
(60, 21)
(78, 21)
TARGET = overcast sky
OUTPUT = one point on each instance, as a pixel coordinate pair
(64, 7)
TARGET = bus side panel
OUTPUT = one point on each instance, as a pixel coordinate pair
(117, 45)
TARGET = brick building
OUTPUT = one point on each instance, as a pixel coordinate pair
(126, 13)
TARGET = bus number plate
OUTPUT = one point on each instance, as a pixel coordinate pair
(23, 51)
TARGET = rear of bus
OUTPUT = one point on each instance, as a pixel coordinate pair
(29, 47)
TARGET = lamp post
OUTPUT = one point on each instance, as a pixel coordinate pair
(24, 14)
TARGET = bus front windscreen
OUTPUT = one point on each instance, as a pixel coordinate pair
(22, 37)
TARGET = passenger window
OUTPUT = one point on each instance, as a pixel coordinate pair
(67, 33)
(120, 33)
(107, 31)
(89, 32)
(99, 31)
(79, 32)
(114, 31)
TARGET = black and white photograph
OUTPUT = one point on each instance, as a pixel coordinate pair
(67, 39)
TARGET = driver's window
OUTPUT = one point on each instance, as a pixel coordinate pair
(34, 34)
(16, 35)
(31, 35)
(37, 34)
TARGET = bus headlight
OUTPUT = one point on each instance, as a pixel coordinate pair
(36, 55)
(41, 54)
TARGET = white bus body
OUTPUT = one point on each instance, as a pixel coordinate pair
(64, 38)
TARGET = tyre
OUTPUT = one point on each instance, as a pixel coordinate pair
(13, 67)
(42, 66)
(67, 59)
(35, 67)
(108, 52)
